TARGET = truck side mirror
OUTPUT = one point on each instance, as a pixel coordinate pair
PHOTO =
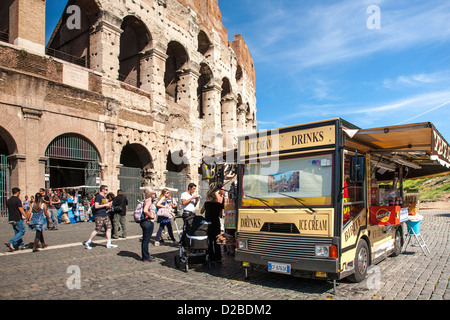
(357, 168)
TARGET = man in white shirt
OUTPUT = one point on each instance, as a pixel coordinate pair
(189, 201)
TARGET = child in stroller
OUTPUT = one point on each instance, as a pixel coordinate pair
(194, 243)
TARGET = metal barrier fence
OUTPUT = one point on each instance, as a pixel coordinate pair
(130, 183)
(4, 185)
(177, 180)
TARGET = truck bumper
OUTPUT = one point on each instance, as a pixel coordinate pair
(299, 267)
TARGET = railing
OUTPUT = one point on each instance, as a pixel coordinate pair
(130, 79)
(67, 57)
(4, 36)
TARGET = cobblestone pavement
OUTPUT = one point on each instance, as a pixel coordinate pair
(119, 273)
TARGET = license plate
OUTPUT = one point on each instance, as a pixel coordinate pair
(279, 267)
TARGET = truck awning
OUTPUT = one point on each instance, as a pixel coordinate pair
(419, 146)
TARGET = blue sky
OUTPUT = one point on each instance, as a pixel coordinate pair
(317, 59)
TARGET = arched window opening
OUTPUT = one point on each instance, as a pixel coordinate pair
(72, 161)
(226, 108)
(226, 88)
(238, 73)
(240, 111)
(135, 160)
(134, 38)
(176, 60)
(205, 78)
(7, 147)
(180, 164)
(4, 20)
(204, 44)
(72, 44)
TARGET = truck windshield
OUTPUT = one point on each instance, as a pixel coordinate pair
(306, 178)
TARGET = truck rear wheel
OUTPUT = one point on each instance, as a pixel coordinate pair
(397, 243)
(361, 262)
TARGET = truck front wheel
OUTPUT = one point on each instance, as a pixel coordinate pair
(361, 262)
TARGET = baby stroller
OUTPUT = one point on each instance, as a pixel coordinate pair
(193, 243)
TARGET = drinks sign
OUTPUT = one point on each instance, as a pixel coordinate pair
(275, 141)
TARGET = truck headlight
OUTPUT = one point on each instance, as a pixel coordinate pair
(242, 244)
(322, 251)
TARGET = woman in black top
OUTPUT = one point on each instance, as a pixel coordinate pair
(213, 212)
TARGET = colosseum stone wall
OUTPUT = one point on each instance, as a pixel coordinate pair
(124, 90)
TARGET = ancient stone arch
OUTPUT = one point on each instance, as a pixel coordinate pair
(136, 155)
(72, 160)
(134, 39)
(177, 59)
(7, 142)
(73, 44)
(204, 43)
(206, 75)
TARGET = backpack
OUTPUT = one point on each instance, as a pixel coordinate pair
(139, 212)
(117, 206)
(117, 209)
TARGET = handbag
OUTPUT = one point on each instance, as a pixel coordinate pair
(164, 212)
(65, 207)
(57, 205)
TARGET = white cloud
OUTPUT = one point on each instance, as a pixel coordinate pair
(418, 80)
(394, 112)
(425, 112)
(299, 37)
(418, 102)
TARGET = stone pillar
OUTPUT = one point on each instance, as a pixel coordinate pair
(27, 25)
(187, 91)
(111, 178)
(105, 46)
(250, 121)
(211, 100)
(197, 149)
(153, 65)
(212, 135)
(229, 121)
(35, 167)
(42, 165)
(241, 125)
(18, 176)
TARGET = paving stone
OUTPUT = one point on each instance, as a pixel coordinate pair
(119, 273)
